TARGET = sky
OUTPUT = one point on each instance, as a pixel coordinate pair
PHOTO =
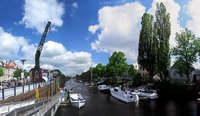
(83, 32)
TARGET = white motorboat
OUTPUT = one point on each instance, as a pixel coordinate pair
(125, 96)
(103, 88)
(76, 100)
(146, 94)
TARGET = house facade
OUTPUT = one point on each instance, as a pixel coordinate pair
(8, 70)
(142, 71)
(193, 77)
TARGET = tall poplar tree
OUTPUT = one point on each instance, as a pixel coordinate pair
(162, 35)
(145, 49)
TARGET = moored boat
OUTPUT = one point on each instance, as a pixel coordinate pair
(146, 94)
(76, 100)
(104, 88)
(125, 96)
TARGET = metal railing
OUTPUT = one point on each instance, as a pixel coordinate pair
(14, 91)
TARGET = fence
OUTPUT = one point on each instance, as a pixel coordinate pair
(14, 91)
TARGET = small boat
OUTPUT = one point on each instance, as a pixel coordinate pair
(76, 100)
(125, 96)
(103, 88)
(146, 94)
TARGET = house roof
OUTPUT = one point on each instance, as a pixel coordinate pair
(11, 64)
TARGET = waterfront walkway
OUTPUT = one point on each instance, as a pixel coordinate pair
(43, 99)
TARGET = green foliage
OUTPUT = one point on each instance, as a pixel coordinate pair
(17, 73)
(117, 64)
(146, 58)
(85, 76)
(94, 73)
(1, 72)
(98, 71)
(62, 79)
(26, 74)
(153, 50)
(185, 51)
(132, 71)
(162, 34)
(101, 69)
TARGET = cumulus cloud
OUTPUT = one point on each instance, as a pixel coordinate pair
(119, 28)
(55, 55)
(174, 9)
(10, 45)
(38, 12)
(194, 13)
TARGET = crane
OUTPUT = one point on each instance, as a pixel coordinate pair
(36, 72)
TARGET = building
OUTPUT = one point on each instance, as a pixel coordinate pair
(142, 71)
(193, 77)
(8, 69)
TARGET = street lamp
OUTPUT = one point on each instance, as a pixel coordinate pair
(22, 61)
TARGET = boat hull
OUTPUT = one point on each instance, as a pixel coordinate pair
(146, 95)
(77, 100)
(78, 104)
(104, 88)
(124, 96)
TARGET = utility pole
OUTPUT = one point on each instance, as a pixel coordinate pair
(91, 75)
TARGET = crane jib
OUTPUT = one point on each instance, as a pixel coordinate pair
(36, 71)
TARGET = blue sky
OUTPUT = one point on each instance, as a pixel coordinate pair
(84, 32)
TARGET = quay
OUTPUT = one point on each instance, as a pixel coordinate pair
(41, 100)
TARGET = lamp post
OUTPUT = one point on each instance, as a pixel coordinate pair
(22, 61)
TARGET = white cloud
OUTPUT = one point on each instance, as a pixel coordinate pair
(38, 12)
(10, 45)
(75, 5)
(174, 9)
(55, 55)
(194, 13)
(93, 28)
(119, 29)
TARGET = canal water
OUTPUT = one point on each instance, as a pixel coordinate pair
(97, 104)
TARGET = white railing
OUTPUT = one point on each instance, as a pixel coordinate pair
(14, 91)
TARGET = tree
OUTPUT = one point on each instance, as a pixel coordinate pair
(145, 50)
(153, 50)
(132, 71)
(162, 33)
(17, 73)
(101, 70)
(1, 72)
(26, 74)
(117, 64)
(185, 51)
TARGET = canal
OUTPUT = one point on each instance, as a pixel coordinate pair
(97, 104)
